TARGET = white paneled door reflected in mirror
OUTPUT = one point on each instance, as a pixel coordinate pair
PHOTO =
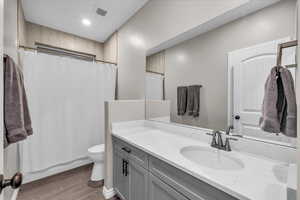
(226, 79)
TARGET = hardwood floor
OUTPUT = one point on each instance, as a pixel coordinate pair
(71, 185)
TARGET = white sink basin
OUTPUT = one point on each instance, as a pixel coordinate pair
(211, 158)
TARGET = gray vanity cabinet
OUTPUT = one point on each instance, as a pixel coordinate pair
(121, 182)
(139, 176)
(160, 190)
(130, 177)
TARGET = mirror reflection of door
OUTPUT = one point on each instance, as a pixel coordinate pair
(248, 71)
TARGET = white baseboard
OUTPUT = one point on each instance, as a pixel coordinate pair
(29, 177)
(108, 193)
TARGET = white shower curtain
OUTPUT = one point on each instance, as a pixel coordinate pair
(66, 101)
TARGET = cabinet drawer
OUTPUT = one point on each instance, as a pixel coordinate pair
(134, 154)
(138, 180)
(184, 183)
(158, 190)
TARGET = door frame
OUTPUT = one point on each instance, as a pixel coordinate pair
(231, 61)
(1, 89)
(298, 96)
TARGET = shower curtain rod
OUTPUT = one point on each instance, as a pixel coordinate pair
(57, 50)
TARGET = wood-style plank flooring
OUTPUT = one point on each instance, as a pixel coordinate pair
(70, 185)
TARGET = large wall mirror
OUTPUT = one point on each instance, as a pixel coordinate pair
(217, 79)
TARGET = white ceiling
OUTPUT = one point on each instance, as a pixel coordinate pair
(66, 15)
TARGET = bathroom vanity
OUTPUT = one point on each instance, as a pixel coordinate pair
(156, 163)
(138, 175)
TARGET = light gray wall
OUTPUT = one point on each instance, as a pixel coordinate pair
(158, 110)
(21, 25)
(110, 48)
(155, 23)
(10, 28)
(203, 60)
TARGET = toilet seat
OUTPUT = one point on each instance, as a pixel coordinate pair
(97, 149)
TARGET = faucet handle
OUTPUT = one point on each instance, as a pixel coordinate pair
(219, 140)
(214, 141)
(227, 146)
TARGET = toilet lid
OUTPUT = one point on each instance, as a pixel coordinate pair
(97, 149)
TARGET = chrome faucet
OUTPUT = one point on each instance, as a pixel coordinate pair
(217, 141)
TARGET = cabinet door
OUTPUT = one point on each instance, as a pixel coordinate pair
(121, 180)
(160, 190)
(138, 179)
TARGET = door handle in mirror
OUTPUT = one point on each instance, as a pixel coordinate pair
(237, 117)
(15, 182)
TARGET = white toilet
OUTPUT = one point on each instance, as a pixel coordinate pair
(96, 153)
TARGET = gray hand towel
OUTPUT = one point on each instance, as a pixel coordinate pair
(269, 121)
(289, 114)
(193, 101)
(181, 100)
(16, 113)
(281, 100)
(279, 112)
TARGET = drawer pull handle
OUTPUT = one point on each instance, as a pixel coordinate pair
(123, 166)
(126, 167)
(127, 150)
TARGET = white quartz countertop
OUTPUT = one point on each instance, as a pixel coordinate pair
(256, 181)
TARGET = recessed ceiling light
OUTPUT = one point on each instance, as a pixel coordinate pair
(86, 22)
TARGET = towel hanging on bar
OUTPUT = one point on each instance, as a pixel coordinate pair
(279, 111)
(17, 119)
(193, 100)
(181, 100)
